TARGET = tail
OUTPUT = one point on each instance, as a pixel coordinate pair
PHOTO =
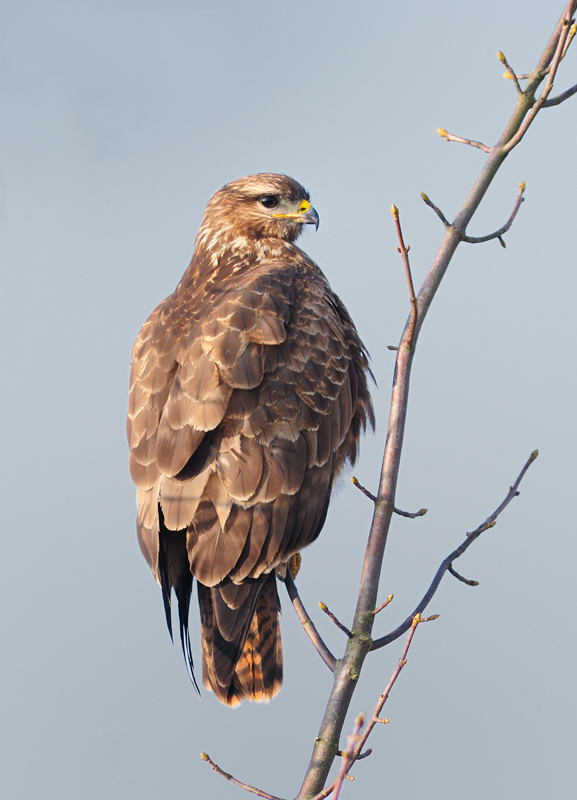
(241, 641)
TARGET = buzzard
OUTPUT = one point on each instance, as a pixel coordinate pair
(248, 393)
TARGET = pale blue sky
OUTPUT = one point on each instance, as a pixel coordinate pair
(121, 120)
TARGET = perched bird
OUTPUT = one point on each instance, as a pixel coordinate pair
(248, 393)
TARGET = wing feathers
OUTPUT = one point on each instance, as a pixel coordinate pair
(179, 500)
(174, 447)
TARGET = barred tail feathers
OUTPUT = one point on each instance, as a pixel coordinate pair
(241, 640)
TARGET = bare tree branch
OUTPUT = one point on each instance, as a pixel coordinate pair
(450, 137)
(459, 577)
(411, 514)
(362, 489)
(308, 624)
(384, 605)
(490, 522)
(510, 73)
(437, 211)
(330, 615)
(498, 234)
(229, 777)
(555, 101)
(404, 251)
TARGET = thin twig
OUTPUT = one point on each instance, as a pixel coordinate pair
(489, 523)
(459, 577)
(555, 101)
(384, 605)
(404, 251)
(330, 615)
(361, 488)
(450, 137)
(437, 211)
(411, 514)
(510, 72)
(229, 777)
(513, 492)
(308, 624)
(498, 234)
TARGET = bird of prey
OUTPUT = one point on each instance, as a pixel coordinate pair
(248, 393)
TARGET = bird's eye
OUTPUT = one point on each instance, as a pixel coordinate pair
(269, 201)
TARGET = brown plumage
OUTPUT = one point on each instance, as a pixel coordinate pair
(248, 392)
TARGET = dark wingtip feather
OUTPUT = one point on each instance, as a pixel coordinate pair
(186, 648)
(166, 589)
(182, 588)
(167, 612)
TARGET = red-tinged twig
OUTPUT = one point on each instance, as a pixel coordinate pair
(330, 615)
(459, 577)
(347, 755)
(362, 489)
(437, 211)
(555, 101)
(308, 624)
(229, 777)
(384, 605)
(411, 514)
(502, 231)
(404, 251)
(376, 718)
(510, 72)
(450, 137)
(489, 523)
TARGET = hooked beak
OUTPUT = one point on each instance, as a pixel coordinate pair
(310, 217)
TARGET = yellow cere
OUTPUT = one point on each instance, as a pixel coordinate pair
(302, 209)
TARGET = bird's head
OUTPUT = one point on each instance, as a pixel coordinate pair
(263, 206)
